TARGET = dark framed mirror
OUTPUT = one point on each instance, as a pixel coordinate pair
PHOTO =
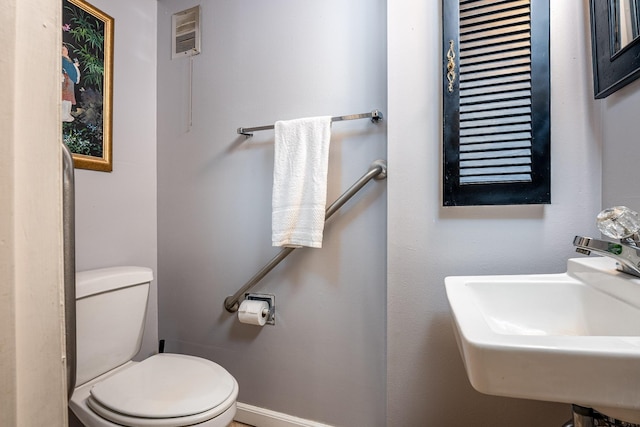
(615, 42)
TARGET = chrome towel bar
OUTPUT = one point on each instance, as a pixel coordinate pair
(377, 170)
(375, 116)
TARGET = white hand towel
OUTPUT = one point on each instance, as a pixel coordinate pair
(300, 181)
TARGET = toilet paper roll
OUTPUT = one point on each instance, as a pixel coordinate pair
(253, 312)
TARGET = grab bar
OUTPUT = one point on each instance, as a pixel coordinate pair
(375, 116)
(69, 252)
(377, 170)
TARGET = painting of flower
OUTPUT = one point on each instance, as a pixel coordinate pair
(87, 74)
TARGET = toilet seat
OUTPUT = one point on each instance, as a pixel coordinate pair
(168, 390)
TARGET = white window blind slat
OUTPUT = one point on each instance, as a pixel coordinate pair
(515, 169)
(515, 32)
(495, 130)
(494, 97)
(525, 69)
(494, 113)
(494, 154)
(495, 41)
(498, 88)
(512, 103)
(495, 121)
(497, 146)
(495, 179)
(502, 48)
(495, 91)
(523, 51)
(480, 26)
(495, 81)
(474, 67)
(486, 139)
(482, 7)
(471, 20)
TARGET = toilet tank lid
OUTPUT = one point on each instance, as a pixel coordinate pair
(92, 282)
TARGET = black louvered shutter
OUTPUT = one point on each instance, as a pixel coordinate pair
(496, 102)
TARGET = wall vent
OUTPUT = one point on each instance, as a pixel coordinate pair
(185, 33)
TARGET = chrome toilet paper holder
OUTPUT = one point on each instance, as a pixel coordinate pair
(269, 299)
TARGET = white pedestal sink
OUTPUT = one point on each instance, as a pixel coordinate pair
(572, 337)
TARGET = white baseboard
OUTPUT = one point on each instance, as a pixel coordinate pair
(261, 417)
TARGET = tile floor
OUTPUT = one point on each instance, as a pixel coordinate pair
(237, 424)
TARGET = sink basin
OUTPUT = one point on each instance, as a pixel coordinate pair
(572, 337)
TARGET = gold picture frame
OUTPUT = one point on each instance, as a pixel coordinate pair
(87, 84)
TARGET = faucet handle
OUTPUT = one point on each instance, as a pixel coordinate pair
(619, 222)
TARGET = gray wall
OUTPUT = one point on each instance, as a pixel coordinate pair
(116, 212)
(262, 62)
(426, 382)
(621, 150)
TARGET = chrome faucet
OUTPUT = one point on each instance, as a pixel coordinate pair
(620, 223)
(627, 256)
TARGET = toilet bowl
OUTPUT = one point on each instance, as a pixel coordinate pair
(164, 390)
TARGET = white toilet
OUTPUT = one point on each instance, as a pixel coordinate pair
(168, 390)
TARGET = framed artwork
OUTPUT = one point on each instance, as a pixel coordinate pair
(87, 77)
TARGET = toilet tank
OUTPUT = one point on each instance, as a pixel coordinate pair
(111, 305)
